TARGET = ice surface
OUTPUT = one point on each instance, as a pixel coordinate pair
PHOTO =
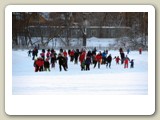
(103, 81)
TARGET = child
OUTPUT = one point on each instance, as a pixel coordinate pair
(117, 59)
(132, 63)
(126, 61)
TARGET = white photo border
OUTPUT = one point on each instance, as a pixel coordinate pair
(79, 104)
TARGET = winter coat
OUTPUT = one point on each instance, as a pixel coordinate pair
(39, 62)
(65, 54)
(104, 54)
(53, 59)
(82, 57)
(76, 54)
(117, 59)
(126, 60)
(46, 64)
(122, 55)
(72, 53)
(98, 57)
(109, 59)
(88, 61)
(132, 62)
(61, 60)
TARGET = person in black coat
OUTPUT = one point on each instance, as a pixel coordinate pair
(53, 61)
(132, 63)
(46, 65)
(88, 62)
(62, 62)
(76, 55)
(108, 61)
(122, 57)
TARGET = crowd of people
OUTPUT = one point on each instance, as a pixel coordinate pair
(48, 59)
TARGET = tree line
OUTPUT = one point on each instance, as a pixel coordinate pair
(22, 22)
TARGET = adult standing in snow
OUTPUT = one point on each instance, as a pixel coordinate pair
(53, 61)
(62, 62)
(65, 56)
(94, 51)
(120, 50)
(94, 60)
(76, 55)
(128, 51)
(82, 59)
(99, 59)
(33, 54)
(140, 50)
(36, 51)
(108, 61)
(72, 55)
(104, 55)
(122, 57)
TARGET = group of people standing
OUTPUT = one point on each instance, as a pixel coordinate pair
(49, 58)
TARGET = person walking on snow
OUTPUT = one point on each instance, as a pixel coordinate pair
(128, 51)
(82, 59)
(140, 50)
(132, 63)
(126, 61)
(53, 61)
(62, 62)
(109, 60)
(117, 59)
(99, 60)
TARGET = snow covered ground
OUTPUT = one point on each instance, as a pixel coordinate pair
(103, 81)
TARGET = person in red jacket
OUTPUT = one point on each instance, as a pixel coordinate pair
(72, 55)
(65, 53)
(81, 59)
(140, 50)
(98, 59)
(117, 59)
(38, 64)
(41, 64)
(126, 61)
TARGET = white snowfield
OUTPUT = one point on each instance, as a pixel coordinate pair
(103, 81)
